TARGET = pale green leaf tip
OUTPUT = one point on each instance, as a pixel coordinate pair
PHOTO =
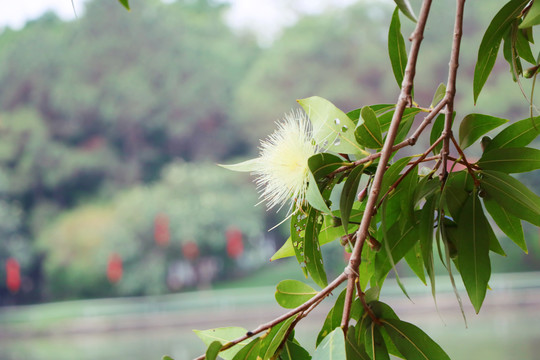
(245, 166)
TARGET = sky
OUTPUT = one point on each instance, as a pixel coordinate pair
(266, 17)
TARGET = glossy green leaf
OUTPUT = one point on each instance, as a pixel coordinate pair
(348, 195)
(523, 47)
(425, 233)
(519, 134)
(213, 350)
(293, 293)
(456, 191)
(273, 338)
(320, 165)
(415, 261)
(436, 132)
(374, 343)
(332, 347)
(379, 109)
(368, 133)
(439, 94)
(386, 118)
(508, 223)
(533, 16)
(297, 239)
(223, 335)
(396, 48)
(124, 3)
(406, 9)
(392, 174)
(412, 342)
(332, 128)
(312, 249)
(491, 41)
(293, 351)
(355, 351)
(512, 195)
(473, 126)
(166, 357)
(249, 351)
(406, 123)
(473, 247)
(333, 319)
(511, 160)
(399, 243)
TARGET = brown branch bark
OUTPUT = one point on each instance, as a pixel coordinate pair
(451, 86)
(403, 101)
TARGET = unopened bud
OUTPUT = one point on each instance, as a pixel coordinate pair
(530, 72)
(373, 243)
(362, 194)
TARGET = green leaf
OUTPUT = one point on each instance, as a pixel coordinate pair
(439, 94)
(396, 48)
(249, 351)
(213, 350)
(293, 293)
(412, 342)
(512, 195)
(223, 335)
(320, 165)
(473, 248)
(273, 338)
(399, 243)
(415, 261)
(293, 351)
(125, 3)
(473, 126)
(491, 41)
(425, 233)
(406, 9)
(332, 128)
(379, 109)
(312, 249)
(507, 222)
(374, 343)
(332, 347)
(244, 166)
(166, 357)
(523, 47)
(436, 132)
(368, 133)
(386, 118)
(333, 319)
(456, 191)
(393, 173)
(355, 351)
(519, 134)
(297, 239)
(533, 16)
(511, 160)
(348, 195)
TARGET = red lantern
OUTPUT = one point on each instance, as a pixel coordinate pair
(235, 244)
(13, 275)
(162, 233)
(114, 268)
(190, 250)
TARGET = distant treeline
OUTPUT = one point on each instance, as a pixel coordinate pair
(114, 121)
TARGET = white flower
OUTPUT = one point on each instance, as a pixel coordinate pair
(282, 167)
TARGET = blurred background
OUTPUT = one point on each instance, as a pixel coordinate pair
(118, 232)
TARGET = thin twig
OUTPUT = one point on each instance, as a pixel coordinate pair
(403, 100)
(451, 85)
(465, 162)
(316, 299)
(414, 164)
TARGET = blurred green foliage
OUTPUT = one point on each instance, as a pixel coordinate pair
(93, 112)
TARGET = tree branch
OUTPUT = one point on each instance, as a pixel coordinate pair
(451, 86)
(403, 101)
